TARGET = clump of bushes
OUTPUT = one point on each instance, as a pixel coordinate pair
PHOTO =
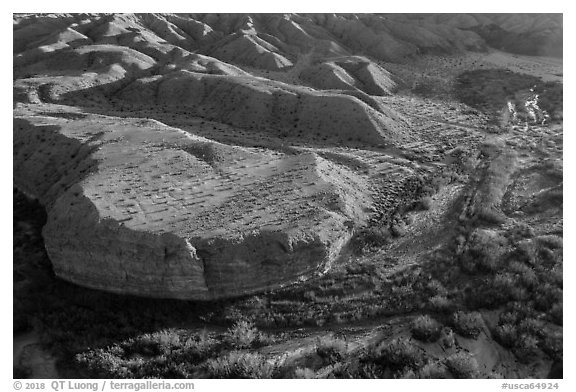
(237, 364)
(371, 237)
(305, 373)
(440, 303)
(483, 252)
(243, 334)
(506, 335)
(331, 350)
(425, 203)
(399, 354)
(463, 365)
(434, 370)
(163, 354)
(426, 329)
(468, 325)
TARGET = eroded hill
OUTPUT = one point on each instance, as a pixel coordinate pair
(385, 175)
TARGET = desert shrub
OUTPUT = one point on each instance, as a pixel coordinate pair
(531, 325)
(154, 344)
(196, 348)
(525, 251)
(526, 273)
(237, 364)
(436, 287)
(519, 231)
(468, 324)
(104, 364)
(163, 354)
(304, 373)
(331, 350)
(506, 335)
(398, 228)
(400, 353)
(526, 348)
(243, 334)
(425, 203)
(483, 252)
(506, 285)
(433, 370)
(478, 259)
(546, 297)
(426, 329)
(370, 237)
(463, 365)
(441, 304)
(550, 241)
(552, 345)
(365, 368)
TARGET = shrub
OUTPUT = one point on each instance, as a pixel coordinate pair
(237, 364)
(440, 303)
(519, 231)
(546, 297)
(241, 335)
(331, 350)
(508, 288)
(463, 365)
(433, 370)
(506, 335)
(552, 345)
(550, 241)
(196, 348)
(304, 373)
(436, 287)
(398, 229)
(468, 324)
(426, 329)
(526, 348)
(527, 274)
(153, 344)
(400, 353)
(425, 203)
(371, 237)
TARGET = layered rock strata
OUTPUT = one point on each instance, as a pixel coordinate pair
(137, 207)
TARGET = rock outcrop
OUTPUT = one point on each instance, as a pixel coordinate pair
(137, 207)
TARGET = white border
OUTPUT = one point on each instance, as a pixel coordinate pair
(485, 6)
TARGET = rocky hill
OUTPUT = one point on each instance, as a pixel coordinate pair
(203, 156)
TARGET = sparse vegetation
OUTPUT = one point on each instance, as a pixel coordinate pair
(468, 324)
(463, 365)
(426, 329)
(331, 350)
(238, 364)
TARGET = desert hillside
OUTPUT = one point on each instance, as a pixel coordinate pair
(284, 171)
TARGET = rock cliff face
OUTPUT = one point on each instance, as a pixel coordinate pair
(137, 207)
